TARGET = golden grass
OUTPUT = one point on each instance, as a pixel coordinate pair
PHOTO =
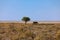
(20, 31)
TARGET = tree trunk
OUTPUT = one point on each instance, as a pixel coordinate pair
(25, 22)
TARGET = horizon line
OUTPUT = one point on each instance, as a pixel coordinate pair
(15, 21)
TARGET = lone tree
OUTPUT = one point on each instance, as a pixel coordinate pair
(26, 19)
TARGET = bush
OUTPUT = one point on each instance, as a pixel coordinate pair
(35, 22)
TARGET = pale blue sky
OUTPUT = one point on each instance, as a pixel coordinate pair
(44, 10)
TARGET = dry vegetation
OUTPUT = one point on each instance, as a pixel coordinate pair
(19, 31)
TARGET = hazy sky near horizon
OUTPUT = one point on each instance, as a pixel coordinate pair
(44, 10)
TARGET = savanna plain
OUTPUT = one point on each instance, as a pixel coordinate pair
(29, 31)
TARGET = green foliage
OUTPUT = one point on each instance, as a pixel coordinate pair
(25, 19)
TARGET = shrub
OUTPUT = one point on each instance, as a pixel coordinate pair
(35, 22)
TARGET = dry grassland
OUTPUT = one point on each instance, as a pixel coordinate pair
(20, 31)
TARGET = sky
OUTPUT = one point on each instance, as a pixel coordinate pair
(38, 10)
